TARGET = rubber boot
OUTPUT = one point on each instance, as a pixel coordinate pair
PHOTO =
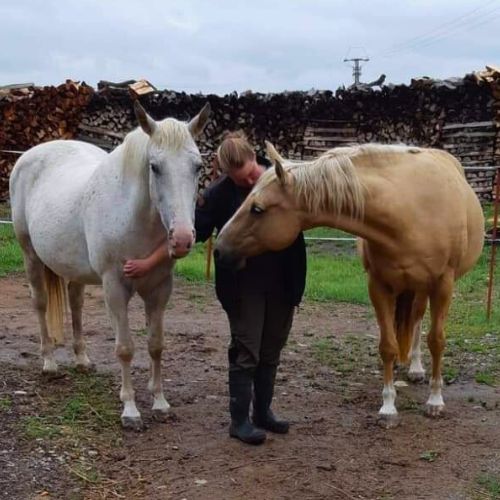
(263, 417)
(240, 395)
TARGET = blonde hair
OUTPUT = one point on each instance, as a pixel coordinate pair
(234, 151)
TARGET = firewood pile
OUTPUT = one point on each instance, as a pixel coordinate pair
(491, 76)
(461, 115)
(32, 115)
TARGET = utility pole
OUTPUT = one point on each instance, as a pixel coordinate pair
(356, 69)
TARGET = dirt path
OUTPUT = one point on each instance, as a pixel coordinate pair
(335, 448)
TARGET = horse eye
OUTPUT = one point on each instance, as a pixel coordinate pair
(256, 210)
(199, 166)
(155, 169)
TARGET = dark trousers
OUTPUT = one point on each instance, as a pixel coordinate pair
(260, 325)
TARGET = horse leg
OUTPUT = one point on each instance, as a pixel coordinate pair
(117, 297)
(35, 270)
(440, 299)
(384, 302)
(416, 372)
(75, 295)
(155, 302)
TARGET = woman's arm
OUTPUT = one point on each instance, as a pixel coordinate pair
(137, 268)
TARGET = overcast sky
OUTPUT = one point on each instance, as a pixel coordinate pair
(263, 45)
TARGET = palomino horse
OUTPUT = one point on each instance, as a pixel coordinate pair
(421, 227)
(79, 213)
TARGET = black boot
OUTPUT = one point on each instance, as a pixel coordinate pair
(263, 416)
(240, 395)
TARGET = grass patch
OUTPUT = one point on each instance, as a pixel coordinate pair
(490, 486)
(486, 378)
(5, 211)
(429, 455)
(341, 279)
(86, 411)
(5, 403)
(351, 355)
(193, 267)
(39, 428)
(11, 259)
(450, 374)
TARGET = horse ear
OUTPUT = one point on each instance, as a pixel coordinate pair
(278, 162)
(145, 121)
(197, 124)
(280, 172)
(272, 153)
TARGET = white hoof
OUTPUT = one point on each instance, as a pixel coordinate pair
(49, 366)
(160, 403)
(132, 423)
(83, 364)
(388, 421)
(416, 376)
(434, 411)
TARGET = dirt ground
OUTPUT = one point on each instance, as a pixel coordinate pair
(335, 449)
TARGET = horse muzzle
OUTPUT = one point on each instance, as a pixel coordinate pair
(228, 260)
(180, 241)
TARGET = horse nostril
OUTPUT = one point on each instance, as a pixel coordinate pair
(170, 233)
(189, 245)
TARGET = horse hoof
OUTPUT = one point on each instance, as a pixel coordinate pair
(85, 368)
(388, 421)
(132, 423)
(434, 411)
(160, 415)
(416, 377)
(49, 367)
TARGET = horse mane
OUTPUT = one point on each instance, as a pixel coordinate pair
(169, 134)
(327, 184)
(331, 184)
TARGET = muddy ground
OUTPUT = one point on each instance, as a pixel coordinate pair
(57, 442)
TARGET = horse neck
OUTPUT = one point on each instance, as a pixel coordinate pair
(372, 225)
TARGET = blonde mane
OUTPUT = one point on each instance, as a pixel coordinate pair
(169, 134)
(330, 183)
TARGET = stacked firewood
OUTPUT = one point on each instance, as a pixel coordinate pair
(491, 77)
(32, 115)
(457, 114)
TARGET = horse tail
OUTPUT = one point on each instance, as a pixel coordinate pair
(404, 324)
(56, 305)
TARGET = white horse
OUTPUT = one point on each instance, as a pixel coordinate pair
(79, 213)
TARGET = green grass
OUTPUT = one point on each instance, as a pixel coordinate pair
(193, 267)
(37, 427)
(429, 455)
(11, 259)
(487, 378)
(339, 278)
(85, 410)
(5, 403)
(490, 486)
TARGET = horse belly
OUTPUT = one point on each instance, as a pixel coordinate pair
(56, 232)
(410, 270)
(63, 250)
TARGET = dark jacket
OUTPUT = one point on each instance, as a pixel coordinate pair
(285, 269)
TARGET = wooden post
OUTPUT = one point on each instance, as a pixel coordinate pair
(493, 243)
(209, 247)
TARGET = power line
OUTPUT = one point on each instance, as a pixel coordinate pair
(465, 22)
(445, 26)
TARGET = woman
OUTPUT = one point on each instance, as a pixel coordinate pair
(259, 300)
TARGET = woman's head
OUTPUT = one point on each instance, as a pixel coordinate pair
(236, 158)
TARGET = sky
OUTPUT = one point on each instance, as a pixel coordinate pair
(260, 45)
